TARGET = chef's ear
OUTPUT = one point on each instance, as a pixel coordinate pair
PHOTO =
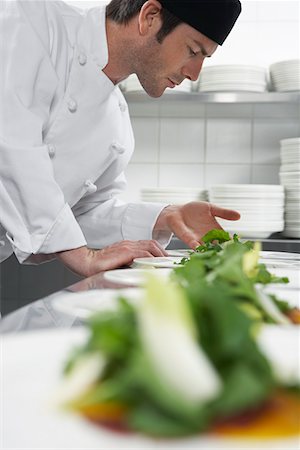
(150, 17)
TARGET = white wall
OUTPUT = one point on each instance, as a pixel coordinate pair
(216, 144)
(266, 31)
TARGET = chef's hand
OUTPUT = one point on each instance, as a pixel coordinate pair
(86, 262)
(191, 221)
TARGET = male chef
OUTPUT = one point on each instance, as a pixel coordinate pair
(65, 132)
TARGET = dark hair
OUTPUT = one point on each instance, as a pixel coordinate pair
(121, 11)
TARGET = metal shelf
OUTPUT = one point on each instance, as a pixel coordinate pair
(216, 97)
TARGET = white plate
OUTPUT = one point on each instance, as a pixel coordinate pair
(291, 296)
(168, 262)
(182, 252)
(171, 262)
(290, 141)
(274, 264)
(133, 277)
(31, 374)
(292, 274)
(170, 190)
(275, 188)
(280, 255)
(83, 304)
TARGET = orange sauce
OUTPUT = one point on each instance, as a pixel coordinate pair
(294, 316)
(109, 415)
(278, 418)
(104, 411)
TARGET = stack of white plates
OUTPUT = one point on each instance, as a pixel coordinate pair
(233, 78)
(290, 179)
(285, 75)
(174, 195)
(261, 207)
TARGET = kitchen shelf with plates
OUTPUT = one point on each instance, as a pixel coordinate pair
(216, 97)
(261, 207)
(174, 195)
(290, 178)
(233, 83)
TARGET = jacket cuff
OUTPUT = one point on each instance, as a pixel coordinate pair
(139, 220)
(65, 234)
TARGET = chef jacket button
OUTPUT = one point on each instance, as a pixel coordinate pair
(122, 107)
(2, 243)
(90, 187)
(82, 59)
(117, 148)
(51, 150)
(72, 105)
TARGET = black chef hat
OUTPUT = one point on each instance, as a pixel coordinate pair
(213, 18)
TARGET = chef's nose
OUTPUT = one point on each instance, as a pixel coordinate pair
(192, 69)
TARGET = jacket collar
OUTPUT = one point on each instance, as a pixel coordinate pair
(92, 37)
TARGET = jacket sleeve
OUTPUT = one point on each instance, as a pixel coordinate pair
(105, 219)
(33, 210)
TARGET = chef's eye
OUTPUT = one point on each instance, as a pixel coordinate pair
(191, 51)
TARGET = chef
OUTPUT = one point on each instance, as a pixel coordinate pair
(65, 132)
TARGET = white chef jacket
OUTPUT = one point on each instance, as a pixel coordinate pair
(65, 135)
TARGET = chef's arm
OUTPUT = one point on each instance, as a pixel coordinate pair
(191, 221)
(33, 210)
(86, 262)
(105, 219)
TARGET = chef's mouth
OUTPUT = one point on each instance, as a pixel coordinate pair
(171, 83)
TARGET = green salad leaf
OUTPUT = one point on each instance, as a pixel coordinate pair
(235, 266)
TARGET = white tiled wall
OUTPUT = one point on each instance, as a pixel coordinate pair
(219, 144)
(267, 31)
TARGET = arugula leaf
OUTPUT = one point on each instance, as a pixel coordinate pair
(216, 235)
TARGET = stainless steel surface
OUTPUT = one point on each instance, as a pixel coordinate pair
(276, 243)
(41, 314)
(217, 97)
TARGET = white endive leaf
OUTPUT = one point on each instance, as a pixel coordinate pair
(169, 339)
(86, 371)
(281, 346)
(271, 308)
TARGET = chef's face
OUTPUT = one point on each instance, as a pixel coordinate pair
(180, 55)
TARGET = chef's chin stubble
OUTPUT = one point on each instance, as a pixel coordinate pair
(149, 67)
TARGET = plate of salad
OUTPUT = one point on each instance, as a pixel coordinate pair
(33, 393)
(199, 352)
(206, 358)
(168, 262)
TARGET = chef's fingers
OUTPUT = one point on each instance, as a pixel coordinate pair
(224, 213)
(112, 258)
(183, 232)
(153, 247)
